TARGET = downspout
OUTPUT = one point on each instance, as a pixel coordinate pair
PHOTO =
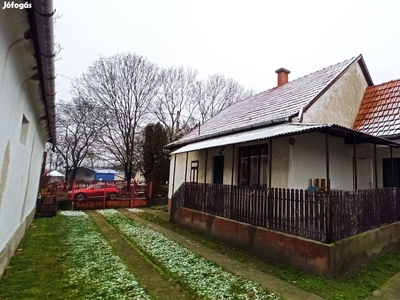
(42, 34)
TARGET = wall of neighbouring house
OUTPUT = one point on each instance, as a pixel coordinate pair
(308, 161)
(22, 136)
(341, 102)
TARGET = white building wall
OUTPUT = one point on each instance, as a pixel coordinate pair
(341, 102)
(292, 165)
(308, 161)
(201, 156)
(280, 159)
(22, 139)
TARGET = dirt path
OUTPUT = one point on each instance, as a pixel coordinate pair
(148, 275)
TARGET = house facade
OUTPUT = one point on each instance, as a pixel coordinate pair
(291, 136)
(296, 173)
(27, 117)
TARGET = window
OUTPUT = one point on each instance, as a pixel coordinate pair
(194, 171)
(253, 165)
(24, 130)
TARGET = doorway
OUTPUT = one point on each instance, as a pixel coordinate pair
(364, 173)
(218, 169)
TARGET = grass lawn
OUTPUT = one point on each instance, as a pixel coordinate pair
(66, 257)
(357, 284)
(57, 260)
(35, 271)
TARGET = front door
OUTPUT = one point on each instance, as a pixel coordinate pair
(219, 169)
(364, 173)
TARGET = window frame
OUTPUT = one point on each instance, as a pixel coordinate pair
(248, 150)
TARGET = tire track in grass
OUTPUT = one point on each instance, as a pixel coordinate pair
(146, 273)
(205, 278)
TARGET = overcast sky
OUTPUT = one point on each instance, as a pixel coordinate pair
(245, 40)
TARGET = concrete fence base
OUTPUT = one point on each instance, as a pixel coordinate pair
(328, 260)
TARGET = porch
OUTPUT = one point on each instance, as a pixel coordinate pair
(323, 233)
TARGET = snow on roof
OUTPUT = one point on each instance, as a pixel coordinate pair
(274, 104)
(55, 173)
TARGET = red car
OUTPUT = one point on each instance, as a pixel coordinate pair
(98, 190)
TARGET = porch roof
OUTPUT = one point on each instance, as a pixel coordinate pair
(283, 130)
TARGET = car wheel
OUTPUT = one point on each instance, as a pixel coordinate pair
(112, 196)
(80, 197)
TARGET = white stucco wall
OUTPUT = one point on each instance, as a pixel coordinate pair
(341, 102)
(21, 150)
(292, 165)
(201, 155)
(308, 161)
(280, 162)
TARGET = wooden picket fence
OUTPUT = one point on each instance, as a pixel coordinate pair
(324, 217)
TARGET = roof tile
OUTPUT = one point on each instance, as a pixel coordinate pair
(275, 103)
(379, 110)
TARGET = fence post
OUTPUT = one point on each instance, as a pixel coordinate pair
(329, 215)
(73, 183)
(132, 192)
(104, 195)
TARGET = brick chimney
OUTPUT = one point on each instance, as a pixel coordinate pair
(283, 76)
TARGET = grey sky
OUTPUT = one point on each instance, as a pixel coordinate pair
(245, 40)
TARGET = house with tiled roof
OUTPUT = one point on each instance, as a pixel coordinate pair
(300, 163)
(272, 137)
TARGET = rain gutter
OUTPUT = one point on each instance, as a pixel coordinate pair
(226, 132)
(42, 33)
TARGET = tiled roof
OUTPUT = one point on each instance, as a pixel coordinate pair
(273, 104)
(379, 112)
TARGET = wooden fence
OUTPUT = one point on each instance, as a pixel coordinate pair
(318, 216)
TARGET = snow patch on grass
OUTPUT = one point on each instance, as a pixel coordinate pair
(96, 272)
(135, 210)
(73, 213)
(205, 278)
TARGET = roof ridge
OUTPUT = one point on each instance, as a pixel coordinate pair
(351, 60)
(383, 83)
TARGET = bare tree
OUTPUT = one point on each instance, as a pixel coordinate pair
(174, 104)
(78, 129)
(216, 93)
(124, 86)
